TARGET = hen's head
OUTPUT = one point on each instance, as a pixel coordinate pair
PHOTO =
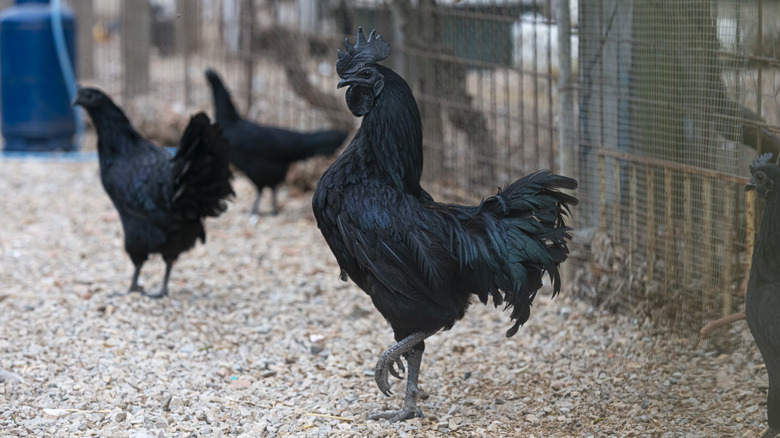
(212, 77)
(765, 176)
(90, 98)
(357, 69)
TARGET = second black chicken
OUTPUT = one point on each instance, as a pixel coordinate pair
(264, 153)
(161, 199)
(762, 301)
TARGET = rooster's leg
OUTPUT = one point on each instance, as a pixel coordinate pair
(412, 348)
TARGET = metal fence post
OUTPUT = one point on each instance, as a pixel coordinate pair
(84, 20)
(136, 15)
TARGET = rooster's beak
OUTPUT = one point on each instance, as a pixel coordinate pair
(343, 83)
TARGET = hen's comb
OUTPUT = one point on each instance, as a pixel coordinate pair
(364, 51)
(760, 161)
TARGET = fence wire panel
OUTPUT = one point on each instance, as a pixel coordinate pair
(484, 72)
(675, 100)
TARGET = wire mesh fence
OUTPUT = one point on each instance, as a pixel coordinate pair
(676, 99)
(483, 72)
(657, 107)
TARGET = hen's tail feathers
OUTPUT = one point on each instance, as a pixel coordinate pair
(533, 241)
(317, 143)
(201, 171)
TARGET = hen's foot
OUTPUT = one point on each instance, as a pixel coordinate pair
(395, 416)
(769, 432)
(135, 288)
(160, 294)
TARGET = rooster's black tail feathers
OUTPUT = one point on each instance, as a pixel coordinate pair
(532, 211)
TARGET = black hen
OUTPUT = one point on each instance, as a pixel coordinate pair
(420, 260)
(264, 153)
(161, 199)
(762, 303)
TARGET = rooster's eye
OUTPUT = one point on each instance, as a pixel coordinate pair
(366, 74)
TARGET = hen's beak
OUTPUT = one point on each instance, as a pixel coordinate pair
(750, 186)
(77, 100)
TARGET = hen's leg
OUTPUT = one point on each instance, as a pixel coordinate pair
(134, 286)
(274, 202)
(164, 289)
(253, 215)
(412, 348)
(772, 405)
(138, 259)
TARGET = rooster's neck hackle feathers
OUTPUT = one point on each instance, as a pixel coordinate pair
(390, 136)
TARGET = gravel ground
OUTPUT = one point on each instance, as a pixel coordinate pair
(259, 338)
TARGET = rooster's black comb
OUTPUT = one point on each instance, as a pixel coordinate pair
(760, 161)
(364, 51)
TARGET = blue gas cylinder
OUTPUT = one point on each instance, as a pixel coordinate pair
(36, 114)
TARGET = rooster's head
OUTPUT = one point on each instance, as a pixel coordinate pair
(357, 69)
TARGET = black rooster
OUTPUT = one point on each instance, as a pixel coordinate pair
(762, 303)
(420, 260)
(161, 199)
(264, 153)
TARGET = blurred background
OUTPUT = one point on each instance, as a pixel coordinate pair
(657, 107)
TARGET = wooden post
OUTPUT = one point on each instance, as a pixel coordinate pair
(689, 246)
(633, 214)
(186, 26)
(247, 29)
(729, 255)
(425, 30)
(670, 264)
(136, 40)
(617, 205)
(602, 175)
(650, 222)
(706, 244)
(84, 21)
(186, 34)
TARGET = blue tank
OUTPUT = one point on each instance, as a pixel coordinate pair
(34, 103)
